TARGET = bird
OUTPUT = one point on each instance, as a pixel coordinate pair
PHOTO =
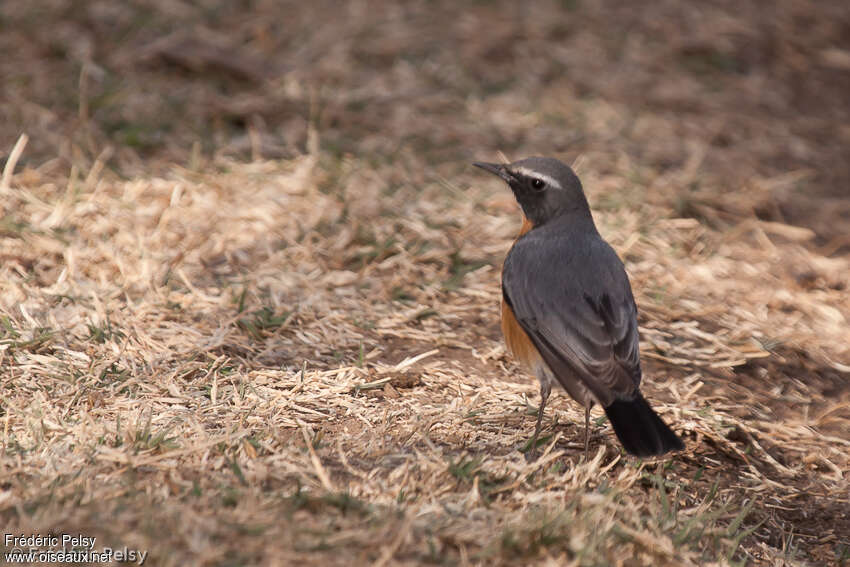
(568, 312)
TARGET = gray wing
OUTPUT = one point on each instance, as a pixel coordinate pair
(574, 301)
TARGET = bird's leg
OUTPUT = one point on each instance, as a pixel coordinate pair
(586, 430)
(545, 390)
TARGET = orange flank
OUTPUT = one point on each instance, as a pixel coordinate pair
(515, 337)
(518, 342)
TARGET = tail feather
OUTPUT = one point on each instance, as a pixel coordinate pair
(640, 430)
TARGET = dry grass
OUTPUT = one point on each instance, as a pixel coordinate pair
(249, 291)
(281, 361)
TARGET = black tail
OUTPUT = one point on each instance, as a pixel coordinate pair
(640, 430)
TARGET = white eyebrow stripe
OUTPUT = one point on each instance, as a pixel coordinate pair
(531, 173)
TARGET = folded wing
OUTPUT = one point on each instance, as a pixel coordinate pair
(574, 301)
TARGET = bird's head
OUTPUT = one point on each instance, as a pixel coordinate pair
(545, 188)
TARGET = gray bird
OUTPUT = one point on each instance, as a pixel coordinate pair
(568, 314)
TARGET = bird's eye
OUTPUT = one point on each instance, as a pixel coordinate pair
(538, 184)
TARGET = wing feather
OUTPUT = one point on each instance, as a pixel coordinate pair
(573, 299)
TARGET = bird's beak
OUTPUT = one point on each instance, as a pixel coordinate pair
(495, 169)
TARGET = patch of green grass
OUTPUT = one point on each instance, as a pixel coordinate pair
(471, 415)
(660, 294)
(458, 268)
(541, 530)
(8, 330)
(583, 528)
(464, 469)
(541, 440)
(375, 249)
(144, 136)
(708, 61)
(399, 293)
(13, 228)
(237, 470)
(229, 497)
(146, 439)
(706, 528)
(250, 529)
(258, 322)
(346, 503)
(113, 375)
(104, 332)
(769, 344)
(14, 447)
(317, 503)
(142, 437)
(40, 337)
(255, 444)
(365, 324)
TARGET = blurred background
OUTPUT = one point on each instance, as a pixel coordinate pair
(245, 237)
(753, 97)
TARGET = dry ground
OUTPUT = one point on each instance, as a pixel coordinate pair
(249, 282)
